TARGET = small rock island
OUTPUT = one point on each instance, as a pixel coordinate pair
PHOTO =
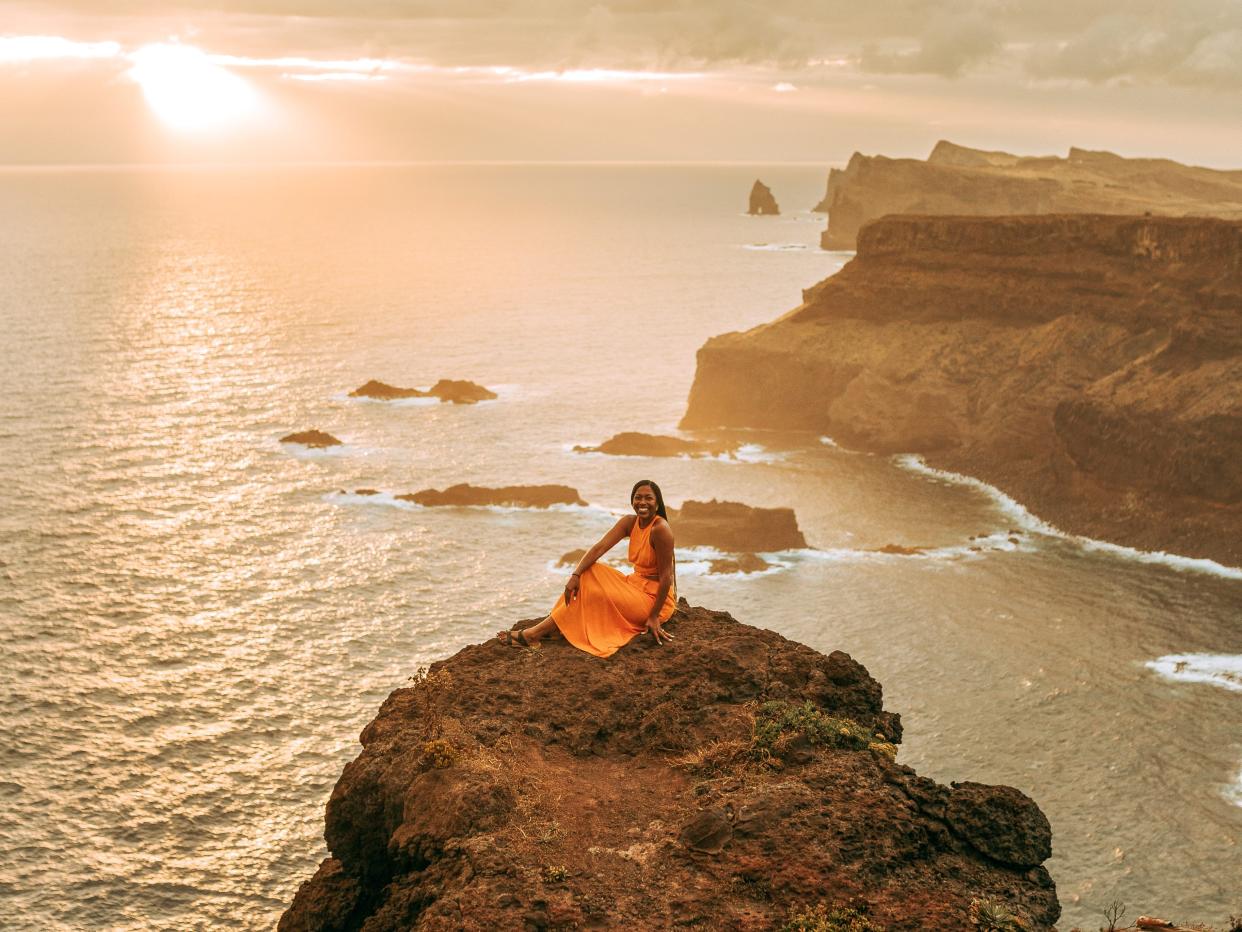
(762, 203)
(454, 391)
(737, 781)
(314, 438)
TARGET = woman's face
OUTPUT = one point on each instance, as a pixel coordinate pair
(644, 501)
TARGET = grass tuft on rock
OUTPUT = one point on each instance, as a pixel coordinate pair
(780, 724)
(991, 916)
(819, 918)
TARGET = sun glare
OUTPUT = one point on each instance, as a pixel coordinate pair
(188, 91)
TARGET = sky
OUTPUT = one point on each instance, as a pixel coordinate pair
(175, 81)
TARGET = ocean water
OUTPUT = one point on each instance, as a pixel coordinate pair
(196, 621)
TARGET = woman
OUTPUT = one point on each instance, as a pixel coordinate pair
(603, 609)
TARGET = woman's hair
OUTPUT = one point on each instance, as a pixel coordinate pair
(658, 494)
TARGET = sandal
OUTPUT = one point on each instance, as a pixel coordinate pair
(516, 639)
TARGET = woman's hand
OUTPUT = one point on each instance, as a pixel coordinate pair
(657, 630)
(571, 589)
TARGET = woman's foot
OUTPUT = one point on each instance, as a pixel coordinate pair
(517, 639)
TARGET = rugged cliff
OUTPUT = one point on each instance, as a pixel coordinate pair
(729, 780)
(1090, 366)
(961, 181)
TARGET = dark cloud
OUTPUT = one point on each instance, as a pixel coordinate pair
(1192, 42)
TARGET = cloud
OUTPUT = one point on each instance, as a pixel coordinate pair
(1191, 43)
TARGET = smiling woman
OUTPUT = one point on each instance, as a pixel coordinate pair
(188, 91)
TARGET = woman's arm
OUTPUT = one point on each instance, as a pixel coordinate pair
(615, 535)
(662, 544)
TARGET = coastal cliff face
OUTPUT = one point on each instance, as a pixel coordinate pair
(1090, 366)
(730, 779)
(956, 180)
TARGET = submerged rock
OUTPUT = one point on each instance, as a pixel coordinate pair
(447, 390)
(635, 443)
(316, 439)
(761, 200)
(899, 550)
(730, 780)
(514, 496)
(735, 527)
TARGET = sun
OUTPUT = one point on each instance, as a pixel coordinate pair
(188, 91)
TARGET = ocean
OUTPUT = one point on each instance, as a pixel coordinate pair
(197, 621)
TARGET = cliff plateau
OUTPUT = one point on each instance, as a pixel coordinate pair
(1090, 366)
(729, 780)
(956, 180)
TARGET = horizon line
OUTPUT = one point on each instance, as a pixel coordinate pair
(52, 167)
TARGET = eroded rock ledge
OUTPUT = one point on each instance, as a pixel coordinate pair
(1087, 365)
(726, 781)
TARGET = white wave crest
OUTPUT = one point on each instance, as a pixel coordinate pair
(303, 452)
(1233, 792)
(346, 398)
(381, 499)
(776, 247)
(1223, 670)
(1024, 519)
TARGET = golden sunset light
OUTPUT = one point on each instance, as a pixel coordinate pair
(486, 465)
(188, 92)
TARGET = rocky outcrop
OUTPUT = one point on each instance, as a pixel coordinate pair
(732, 526)
(761, 200)
(741, 563)
(730, 780)
(512, 496)
(1087, 365)
(633, 443)
(315, 439)
(960, 181)
(456, 391)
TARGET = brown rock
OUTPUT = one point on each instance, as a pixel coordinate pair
(742, 563)
(732, 526)
(325, 902)
(382, 391)
(461, 392)
(562, 804)
(634, 443)
(708, 831)
(761, 200)
(1001, 822)
(447, 390)
(316, 439)
(959, 181)
(899, 550)
(571, 558)
(1086, 365)
(513, 496)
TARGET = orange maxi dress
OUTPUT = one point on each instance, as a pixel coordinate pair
(611, 607)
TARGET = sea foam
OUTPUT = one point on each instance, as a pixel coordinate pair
(1223, 670)
(1024, 519)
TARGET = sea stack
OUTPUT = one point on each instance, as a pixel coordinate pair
(733, 782)
(762, 203)
(1086, 365)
